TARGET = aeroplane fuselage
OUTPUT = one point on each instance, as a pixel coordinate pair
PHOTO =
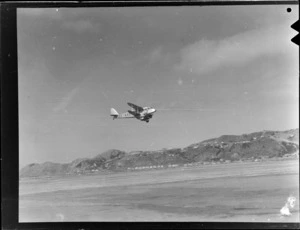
(138, 112)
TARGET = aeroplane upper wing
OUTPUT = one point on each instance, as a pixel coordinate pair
(136, 107)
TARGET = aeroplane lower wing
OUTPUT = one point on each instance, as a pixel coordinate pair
(133, 113)
(136, 107)
(148, 116)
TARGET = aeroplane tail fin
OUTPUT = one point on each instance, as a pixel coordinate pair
(114, 113)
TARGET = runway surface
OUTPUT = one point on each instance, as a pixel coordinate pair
(242, 191)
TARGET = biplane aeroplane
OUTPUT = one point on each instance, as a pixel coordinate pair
(138, 112)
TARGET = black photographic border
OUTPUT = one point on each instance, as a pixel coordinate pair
(10, 119)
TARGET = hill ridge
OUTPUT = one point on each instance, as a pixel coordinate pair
(256, 145)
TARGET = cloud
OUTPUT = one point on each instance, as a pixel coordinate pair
(160, 55)
(70, 20)
(80, 26)
(52, 13)
(179, 81)
(155, 54)
(66, 100)
(206, 56)
(152, 56)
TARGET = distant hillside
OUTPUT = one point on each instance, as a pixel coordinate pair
(258, 145)
(78, 166)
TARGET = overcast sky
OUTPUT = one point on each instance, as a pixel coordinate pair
(208, 71)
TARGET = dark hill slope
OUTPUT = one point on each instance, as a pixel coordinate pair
(45, 169)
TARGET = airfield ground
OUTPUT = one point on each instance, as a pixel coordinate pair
(242, 191)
